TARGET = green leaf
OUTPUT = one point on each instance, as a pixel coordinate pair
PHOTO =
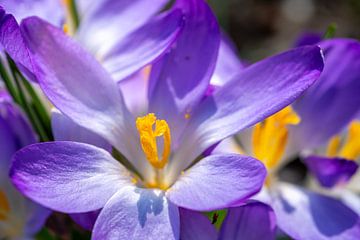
(217, 217)
(330, 31)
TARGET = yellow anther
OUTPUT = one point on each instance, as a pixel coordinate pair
(4, 206)
(351, 147)
(66, 29)
(270, 137)
(187, 116)
(333, 146)
(148, 137)
(66, 2)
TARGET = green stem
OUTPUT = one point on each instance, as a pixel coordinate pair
(8, 82)
(73, 15)
(38, 106)
(34, 119)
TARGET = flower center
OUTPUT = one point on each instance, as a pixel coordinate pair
(269, 138)
(348, 146)
(149, 136)
(4, 207)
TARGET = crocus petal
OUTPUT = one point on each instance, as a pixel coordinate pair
(107, 22)
(217, 182)
(49, 10)
(65, 129)
(79, 87)
(328, 106)
(15, 132)
(25, 217)
(228, 64)
(7, 148)
(135, 213)
(67, 176)
(351, 199)
(308, 39)
(138, 82)
(142, 46)
(261, 90)
(86, 220)
(304, 214)
(14, 44)
(331, 171)
(36, 216)
(195, 225)
(179, 80)
(252, 221)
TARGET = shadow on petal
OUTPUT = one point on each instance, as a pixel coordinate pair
(149, 203)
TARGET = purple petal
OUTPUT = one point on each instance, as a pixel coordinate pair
(29, 217)
(252, 221)
(195, 225)
(179, 80)
(65, 129)
(79, 87)
(7, 147)
(228, 64)
(143, 46)
(14, 44)
(217, 182)
(15, 133)
(86, 220)
(135, 213)
(261, 90)
(351, 199)
(67, 176)
(106, 23)
(328, 106)
(36, 217)
(49, 10)
(307, 215)
(138, 82)
(331, 171)
(308, 39)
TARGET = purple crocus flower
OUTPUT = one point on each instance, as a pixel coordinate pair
(20, 218)
(123, 35)
(324, 110)
(161, 149)
(335, 149)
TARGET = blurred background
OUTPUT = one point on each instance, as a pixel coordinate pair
(260, 28)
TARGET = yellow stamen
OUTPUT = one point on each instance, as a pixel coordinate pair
(4, 206)
(333, 146)
(187, 115)
(148, 137)
(66, 29)
(351, 148)
(270, 137)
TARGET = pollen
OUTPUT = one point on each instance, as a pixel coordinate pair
(4, 206)
(187, 116)
(270, 137)
(150, 129)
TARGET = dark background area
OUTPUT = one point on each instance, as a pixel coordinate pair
(261, 28)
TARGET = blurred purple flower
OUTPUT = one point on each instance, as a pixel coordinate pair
(124, 36)
(20, 218)
(325, 109)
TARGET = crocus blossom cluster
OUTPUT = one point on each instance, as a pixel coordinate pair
(145, 96)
